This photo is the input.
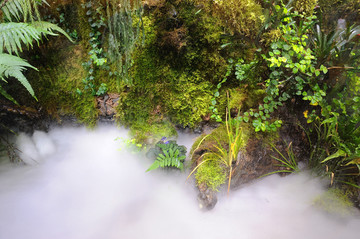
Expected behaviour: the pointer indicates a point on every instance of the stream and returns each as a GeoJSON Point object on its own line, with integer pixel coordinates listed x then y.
{"type": "Point", "coordinates": [81, 184]}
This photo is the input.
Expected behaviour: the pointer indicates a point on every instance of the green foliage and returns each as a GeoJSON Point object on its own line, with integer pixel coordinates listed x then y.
{"type": "Point", "coordinates": [18, 10]}
{"type": "Point", "coordinates": [288, 163]}
{"type": "Point", "coordinates": [168, 154]}
{"type": "Point", "coordinates": [122, 34]}
{"type": "Point", "coordinates": [225, 155]}
{"type": "Point", "coordinates": [215, 112]}
{"type": "Point", "coordinates": [164, 80]}
{"type": "Point", "coordinates": [292, 66]}
{"type": "Point", "coordinates": [338, 133]}
{"type": "Point", "coordinates": [12, 66]}
{"type": "Point", "coordinates": [13, 35]}
{"type": "Point", "coordinates": [212, 174]}
{"type": "Point", "coordinates": [55, 83]}
{"type": "Point", "coordinates": [97, 59]}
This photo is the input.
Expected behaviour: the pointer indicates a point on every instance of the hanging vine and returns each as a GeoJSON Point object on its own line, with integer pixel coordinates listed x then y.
{"type": "Point", "coordinates": [124, 23]}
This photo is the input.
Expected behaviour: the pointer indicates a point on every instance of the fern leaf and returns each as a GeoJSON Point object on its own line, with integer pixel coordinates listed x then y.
{"type": "Point", "coordinates": [13, 10]}
{"type": "Point", "coordinates": [50, 29]}
{"type": "Point", "coordinates": [7, 96]}
{"type": "Point", "coordinates": [153, 166]}
{"type": "Point", "coordinates": [22, 10]}
{"type": "Point", "coordinates": [12, 34]}
{"type": "Point", "coordinates": [162, 163]}
{"type": "Point", "coordinates": [12, 66]}
{"type": "Point", "coordinates": [181, 158]}
{"type": "Point", "coordinates": [166, 153]}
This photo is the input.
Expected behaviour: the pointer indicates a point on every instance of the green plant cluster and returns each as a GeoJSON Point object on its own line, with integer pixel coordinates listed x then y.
{"type": "Point", "coordinates": [306, 63]}
{"type": "Point", "coordinates": [167, 154]}
{"type": "Point", "coordinates": [20, 26]}
{"type": "Point", "coordinates": [124, 22]}
{"type": "Point", "coordinates": [97, 59]}
{"type": "Point", "coordinates": [292, 66]}
{"type": "Point", "coordinates": [224, 154]}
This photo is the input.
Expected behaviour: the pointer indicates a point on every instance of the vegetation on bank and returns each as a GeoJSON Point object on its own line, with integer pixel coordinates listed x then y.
{"type": "Point", "coordinates": [173, 62]}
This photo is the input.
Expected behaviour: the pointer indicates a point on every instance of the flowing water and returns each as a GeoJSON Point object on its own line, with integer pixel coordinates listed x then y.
{"type": "Point", "coordinates": [81, 184]}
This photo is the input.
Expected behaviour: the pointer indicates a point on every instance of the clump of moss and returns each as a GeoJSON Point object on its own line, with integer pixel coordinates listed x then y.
{"type": "Point", "coordinates": [149, 134]}
{"type": "Point", "coordinates": [56, 84]}
{"type": "Point", "coordinates": [334, 201]}
{"type": "Point", "coordinates": [211, 174]}
{"type": "Point", "coordinates": [188, 100]}
{"type": "Point", "coordinates": [271, 36]}
{"type": "Point", "coordinates": [242, 17]}
{"type": "Point", "coordinates": [305, 6]}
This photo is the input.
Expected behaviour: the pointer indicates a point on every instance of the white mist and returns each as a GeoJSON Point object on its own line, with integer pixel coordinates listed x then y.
{"type": "Point", "coordinates": [79, 185]}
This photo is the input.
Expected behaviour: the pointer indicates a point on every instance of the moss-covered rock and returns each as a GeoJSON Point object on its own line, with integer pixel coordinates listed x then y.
{"type": "Point", "coordinates": [334, 201]}
{"type": "Point", "coordinates": [211, 173]}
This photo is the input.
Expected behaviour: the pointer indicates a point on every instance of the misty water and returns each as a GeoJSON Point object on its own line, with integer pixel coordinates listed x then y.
{"type": "Point", "coordinates": [81, 184]}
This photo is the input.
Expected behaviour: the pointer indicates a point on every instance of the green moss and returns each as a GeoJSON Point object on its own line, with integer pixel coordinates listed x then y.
{"type": "Point", "coordinates": [187, 99]}
{"type": "Point", "coordinates": [305, 6]}
{"type": "Point", "coordinates": [149, 134]}
{"type": "Point", "coordinates": [212, 174]}
{"type": "Point", "coordinates": [334, 201]}
{"type": "Point", "coordinates": [242, 17]}
{"type": "Point", "coordinates": [179, 89]}
{"type": "Point", "coordinates": [56, 84]}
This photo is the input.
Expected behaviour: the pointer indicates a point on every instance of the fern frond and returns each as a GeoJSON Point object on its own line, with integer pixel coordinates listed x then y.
{"type": "Point", "coordinates": [7, 96]}
{"type": "Point", "coordinates": [14, 34]}
{"type": "Point", "coordinates": [12, 66]}
{"type": "Point", "coordinates": [50, 29]}
{"type": "Point", "coordinates": [13, 10]}
{"type": "Point", "coordinates": [22, 10]}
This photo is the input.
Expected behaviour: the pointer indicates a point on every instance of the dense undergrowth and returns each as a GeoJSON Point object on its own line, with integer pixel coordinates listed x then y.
{"type": "Point", "coordinates": [172, 64]}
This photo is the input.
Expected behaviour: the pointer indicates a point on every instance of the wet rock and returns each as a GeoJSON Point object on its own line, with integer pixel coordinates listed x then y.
{"type": "Point", "coordinates": [107, 104]}
{"type": "Point", "coordinates": [17, 119]}
{"type": "Point", "coordinates": [252, 163]}
{"type": "Point", "coordinates": [207, 198]}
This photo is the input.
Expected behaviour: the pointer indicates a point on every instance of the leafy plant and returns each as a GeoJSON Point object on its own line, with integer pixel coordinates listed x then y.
{"type": "Point", "coordinates": [97, 58]}
{"type": "Point", "coordinates": [121, 15]}
{"type": "Point", "coordinates": [293, 69]}
{"type": "Point", "coordinates": [13, 35]}
{"type": "Point", "coordinates": [168, 154]}
{"type": "Point", "coordinates": [289, 162]}
{"type": "Point", "coordinates": [215, 113]}
{"type": "Point", "coordinates": [226, 155]}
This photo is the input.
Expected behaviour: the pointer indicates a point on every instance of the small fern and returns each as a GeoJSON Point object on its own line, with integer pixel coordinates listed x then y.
{"type": "Point", "coordinates": [171, 156]}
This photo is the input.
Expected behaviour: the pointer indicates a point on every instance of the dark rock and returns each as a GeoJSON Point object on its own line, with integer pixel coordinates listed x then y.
{"type": "Point", "coordinates": [207, 198]}
{"type": "Point", "coordinates": [252, 163]}
{"type": "Point", "coordinates": [16, 119]}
